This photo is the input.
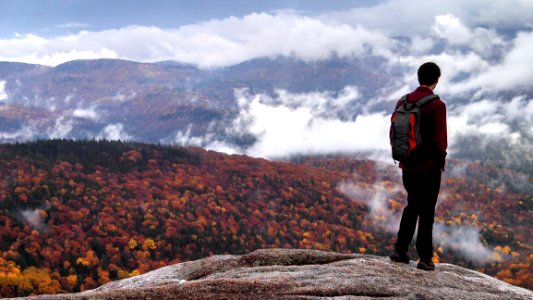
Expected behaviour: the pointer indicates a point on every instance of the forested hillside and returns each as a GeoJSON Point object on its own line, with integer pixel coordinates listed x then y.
{"type": "Point", "coordinates": [74, 215]}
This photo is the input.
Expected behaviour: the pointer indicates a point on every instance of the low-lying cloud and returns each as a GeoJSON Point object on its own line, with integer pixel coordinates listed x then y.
{"type": "Point", "coordinates": [3, 94]}
{"type": "Point", "coordinates": [292, 123]}
{"type": "Point", "coordinates": [385, 214]}
{"type": "Point", "coordinates": [34, 217]}
{"type": "Point", "coordinates": [463, 239]}
{"type": "Point", "coordinates": [86, 113]}
{"type": "Point", "coordinates": [287, 123]}
{"type": "Point", "coordinates": [114, 132]}
{"type": "Point", "coordinates": [61, 129]}
{"type": "Point", "coordinates": [377, 196]}
{"type": "Point", "coordinates": [492, 117]}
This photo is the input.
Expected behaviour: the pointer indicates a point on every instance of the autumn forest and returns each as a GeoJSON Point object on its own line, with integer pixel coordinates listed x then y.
{"type": "Point", "coordinates": [77, 214]}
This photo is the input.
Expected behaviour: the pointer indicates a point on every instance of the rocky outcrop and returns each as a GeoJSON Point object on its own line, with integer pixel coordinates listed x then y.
{"type": "Point", "coordinates": [303, 274]}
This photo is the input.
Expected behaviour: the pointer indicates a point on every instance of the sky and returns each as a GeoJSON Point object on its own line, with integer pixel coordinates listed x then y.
{"type": "Point", "coordinates": [51, 32]}
{"type": "Point", "coordinates": [58, 17]}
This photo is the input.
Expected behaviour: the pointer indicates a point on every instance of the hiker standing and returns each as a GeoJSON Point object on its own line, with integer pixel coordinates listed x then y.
{"type": "Point", "coordinates": [421, 150]}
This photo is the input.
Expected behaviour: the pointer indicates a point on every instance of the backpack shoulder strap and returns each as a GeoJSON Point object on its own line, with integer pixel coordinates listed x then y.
{"type": "Point", "coordinates": [426, 99]}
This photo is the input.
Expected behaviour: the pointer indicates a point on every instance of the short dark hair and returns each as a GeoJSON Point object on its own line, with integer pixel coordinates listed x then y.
{"type": "Point", "coordinates": [428, 73]}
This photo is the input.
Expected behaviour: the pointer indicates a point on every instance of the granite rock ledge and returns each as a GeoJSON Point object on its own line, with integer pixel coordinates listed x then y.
{"type": "Point", "coordinates": [302, 274]}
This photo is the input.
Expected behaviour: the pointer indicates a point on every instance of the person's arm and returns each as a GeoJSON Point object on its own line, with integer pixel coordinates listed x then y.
{"type": "Point", "coordinates": [441, 134]}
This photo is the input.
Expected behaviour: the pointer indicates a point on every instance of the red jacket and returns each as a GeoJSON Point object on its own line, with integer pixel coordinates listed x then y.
{"type": "Point", "coordinates": [433, 125]}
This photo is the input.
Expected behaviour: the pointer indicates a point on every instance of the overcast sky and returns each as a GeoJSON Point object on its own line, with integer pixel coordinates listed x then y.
{"type": "Point", "coordinates": [218, 33]}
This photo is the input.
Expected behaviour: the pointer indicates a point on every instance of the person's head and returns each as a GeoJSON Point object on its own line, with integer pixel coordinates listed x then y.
{"type": "Point", "coordinates": [428, 74]}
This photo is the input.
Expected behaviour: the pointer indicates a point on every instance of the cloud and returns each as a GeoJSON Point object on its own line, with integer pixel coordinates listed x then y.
{"type": "Point", "coordinates": [3, 94]}
{"type": "Point", "coordinates": [511, 72]}
{"type": "Point", "coordinates": [377, 196]}
{"type": "Point", "coordinates": [310, 123]}
{"type": "Point", "coordinates": [25, 133]}
{"type": "Point", "coordinates": [458, 35]}
{"type": "Point", "coordinates": [61, 129]}
{"type": "Point", "coordinates": [403, 17]}
{"type": "Point", "coordinates": [479, 39]}
{"type": "Point", "coordinates": [114, 132]}
{"type": "Point", "coordinates": [123, 97]}
{"type": "Point", "coordinates": [34, 217]}
{"type": "Point", "coordinates": [462, 239]}
{"type": "Point", "coordinates": [212, 43]}
{"type": "Point", "coordinates": [86, 113]}
{"type": "Point", "coordinates": [385, 213]}
{"type": "Point", "coordinates": [185, 138]}
{"type": "Point", "coordinates": [292, 123]}
{"type": "Point", "coordinates": [492, 118]}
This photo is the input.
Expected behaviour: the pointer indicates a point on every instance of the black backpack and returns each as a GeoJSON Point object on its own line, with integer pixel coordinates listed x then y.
{"type": "Point", "coordinates": [405, 134]}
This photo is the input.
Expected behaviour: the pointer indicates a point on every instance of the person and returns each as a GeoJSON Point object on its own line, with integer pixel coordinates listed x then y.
{"type": "Point", "coordinates": [421, 175]}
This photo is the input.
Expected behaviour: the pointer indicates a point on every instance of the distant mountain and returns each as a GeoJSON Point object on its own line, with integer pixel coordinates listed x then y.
{"type": "Point", "coordinates": [76, 214]}
{"type": "Point", "coordinates": [174, 103]}
{"type": "Point", "coordinates": [152, 102]}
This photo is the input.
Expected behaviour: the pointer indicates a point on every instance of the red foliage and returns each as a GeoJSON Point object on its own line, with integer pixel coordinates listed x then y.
{"type": "Point", "coordinates": [84, 225]}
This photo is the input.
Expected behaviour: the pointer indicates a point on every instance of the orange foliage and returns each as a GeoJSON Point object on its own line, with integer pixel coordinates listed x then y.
{"type": "Point", "coordinates": [100, 222]}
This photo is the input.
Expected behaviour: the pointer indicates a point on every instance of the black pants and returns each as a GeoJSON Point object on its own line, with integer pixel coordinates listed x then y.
{"type": "Point", "coordinates": [422, 193]}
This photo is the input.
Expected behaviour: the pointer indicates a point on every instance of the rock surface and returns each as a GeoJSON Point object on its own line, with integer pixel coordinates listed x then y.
{"type": "Point", "coordinates": [303, 274]}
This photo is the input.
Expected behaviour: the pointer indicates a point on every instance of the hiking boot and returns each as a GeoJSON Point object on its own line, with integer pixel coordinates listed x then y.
{"type": "Point", "coordinates": [399, 257]}
{"type": "Point", "coordinates": [426, 265]}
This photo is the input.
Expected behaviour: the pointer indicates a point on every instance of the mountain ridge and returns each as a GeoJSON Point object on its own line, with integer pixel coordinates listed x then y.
{"type": "Point", "coordinates": [77, 214]}
{"type": "Point", "coordinates": [174, 103]}
{"type": "Point", "coordinates": [85, 96]}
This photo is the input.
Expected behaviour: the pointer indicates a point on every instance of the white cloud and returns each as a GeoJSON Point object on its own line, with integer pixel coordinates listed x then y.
{"type": "Point", "coordinates": [3, 94]}
{"type": "Point", "coordinates": [404, 17]}
{"type": "Point", "coordinates": [209, 44]}
{"type": "Point", "coordinates": [490, 118]}
{"type": "Point", "coordinates": [86, 113]}
{"type": "Point", "coordinates": [452, 29]}
{"type": "Point", "coordinates": [120, 97]}
{"type": "Point", "coordinates": [25, 133]}
{"type": "Point", "coordinates": [33, 218]}
{"type": "Point", "coordinates": [300, 123]}
{"type": "Point", "coordinates": [184, 138]}
{"type": "Point", "coordinates": [59, 57]}
{"type": "Point", "coordinates": [420, 45]}
{"type": "Point", "coordinates": [378, 195]}
{"type": "Point", "coordinates": [512, 72]}
{"type": "Point", "coordinates": [114, 132]}
{"type": "Point", "coordinates": [61, 129]}
{"type": "Point", "coordinates": [473, 51]}
{"type": "Point", "coordinates": [519, 108]}
{"type": "Point", "coordinates": [323, 103]}
{"type": "Point", "coordinates": [463, 239]}
{"type": "Point", "coordinates": [308, 123]}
